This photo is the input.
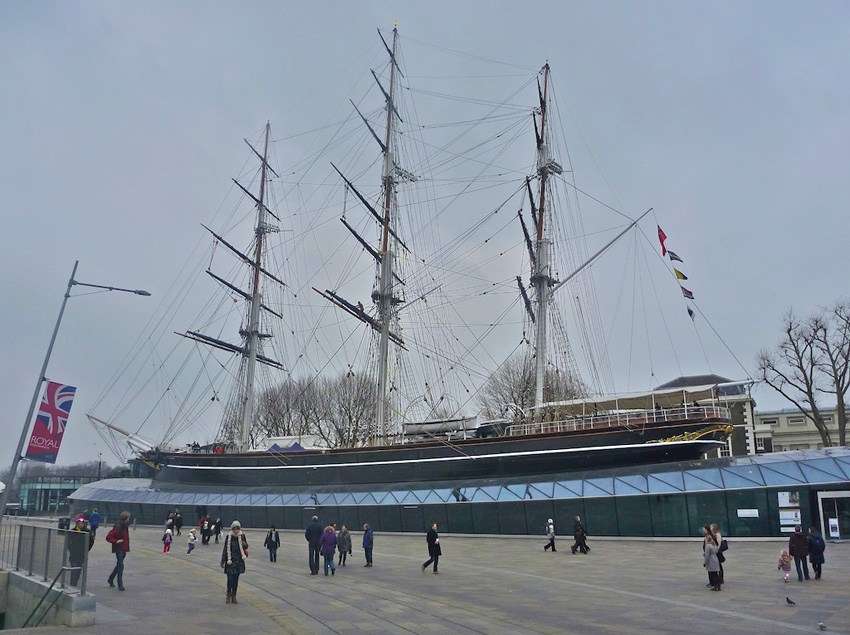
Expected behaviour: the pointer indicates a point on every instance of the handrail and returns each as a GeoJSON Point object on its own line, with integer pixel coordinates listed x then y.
{"type": "Point", "coordinates": [620, 419]}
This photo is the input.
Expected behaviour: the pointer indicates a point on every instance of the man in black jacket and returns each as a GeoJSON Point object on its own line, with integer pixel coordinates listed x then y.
{"type": "Point", "coordinates": [313, 535]}
{"type": "Point", "coordinates": [434, 550]}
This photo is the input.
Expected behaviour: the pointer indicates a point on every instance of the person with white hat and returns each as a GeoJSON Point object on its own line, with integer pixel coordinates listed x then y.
{"type": "Point", "coordinates": [233, 558]}
{"type": "Point", "coordinates": [550, 534]}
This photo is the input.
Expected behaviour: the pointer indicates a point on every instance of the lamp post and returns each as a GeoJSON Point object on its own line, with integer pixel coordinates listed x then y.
{"type": "Point", "coordinates": [41, 376]}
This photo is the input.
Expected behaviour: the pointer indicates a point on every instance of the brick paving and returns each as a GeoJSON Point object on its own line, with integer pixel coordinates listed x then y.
{"type": "Point", "coordinates": [486, 585]}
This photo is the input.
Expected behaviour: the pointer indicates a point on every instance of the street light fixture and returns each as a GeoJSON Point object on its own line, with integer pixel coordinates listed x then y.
{"type": "Point", "coordinates": [41, 376]}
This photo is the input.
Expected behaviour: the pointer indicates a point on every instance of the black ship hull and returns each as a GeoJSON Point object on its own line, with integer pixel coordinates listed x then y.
{"type": "Point", "coordinates": [502, 457]}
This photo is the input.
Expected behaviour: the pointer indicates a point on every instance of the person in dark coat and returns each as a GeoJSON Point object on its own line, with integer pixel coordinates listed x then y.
{"type": "Point", "coordinates": [313, 536]}
{"type": "Point", "coordinates": [343, 544]}
{"type": "Point", "coordinates": [434, 549]}
{"type": "Point", "coordinates": [206, 531]}
{"type": "Point", "coordinates": [216, 529]}
{"type": "Point", "coordinates": [580, 536]}
{"type": "Point", "coordinates": [119, 538]}
{"type": "Point", "coordinates": [178, 522]}
{"type": "Point", "coordinates": [233, 557]}
{"type": "Point", "coordinates": [78, 539]}
{"type": "Point", "coordinates": [368, 543]}
{"type": "Point", "coordinates": [272, 543]}
{"type": "Point", "coordinates": [327, 544]}
{"type": "Point", "coordinates": [816, 548]}
{"type": "Point", "coordinates": [798, 547]}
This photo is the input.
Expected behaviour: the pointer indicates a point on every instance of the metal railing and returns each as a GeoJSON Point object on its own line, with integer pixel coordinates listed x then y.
{"type": "Point", "coordinates": [622, 419]}
{"type": "Point", "coordinates": [45, 552]}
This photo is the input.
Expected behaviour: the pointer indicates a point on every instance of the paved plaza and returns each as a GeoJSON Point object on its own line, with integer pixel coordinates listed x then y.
{"type": "Point", "coordinates": [486, 585]}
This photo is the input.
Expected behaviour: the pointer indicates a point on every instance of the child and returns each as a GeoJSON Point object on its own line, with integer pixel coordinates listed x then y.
{"type": "Point", "coordinates": [167, 537]}
{"type": "Point", "coordinates": [193, 538]}
{"type": "Point", "coordinates": [785, 564]}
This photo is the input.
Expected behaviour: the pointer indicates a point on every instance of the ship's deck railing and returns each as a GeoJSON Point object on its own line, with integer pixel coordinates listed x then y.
{"type": "Point", "coordinates": [621, 419]}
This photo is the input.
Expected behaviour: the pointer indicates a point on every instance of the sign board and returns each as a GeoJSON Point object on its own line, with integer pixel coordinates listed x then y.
{"type": "Point", "coordinates": [789, 517]}
{"type": "Point", "coordinates": [49, 427]}
{"type": "Point", "coordinates": [748, 513]}
{"type": "Point", "coordinates": [833, 528]}
{"type": "Point", "coordinates": [788, 499]}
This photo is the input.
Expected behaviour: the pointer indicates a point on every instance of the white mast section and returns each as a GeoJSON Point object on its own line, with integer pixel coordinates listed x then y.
{"type": "Point", "coordinates": [252, 334]}
{"type": "Point", "coordinates": [541, 275]}
{"type": "Point", "coordinates": [384, 297]}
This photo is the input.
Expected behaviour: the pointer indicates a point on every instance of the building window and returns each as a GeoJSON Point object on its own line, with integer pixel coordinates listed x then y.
{"type": "Point", "coordinates": [759, 444]}
{"type": "Point", "coordinates": [725, 451]}
{"type": "Point", "coordinates": [796, 421]}
{"type": "Point", "coordinates": [778, 448]}
{"type": "Point", "coordinates": [827, 419]}
{"type": "Point", "coordinates": [769, 422]}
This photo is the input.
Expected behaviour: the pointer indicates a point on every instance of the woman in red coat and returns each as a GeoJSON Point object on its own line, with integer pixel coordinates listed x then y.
{"type": "Point", "coordinates": [119, 538]}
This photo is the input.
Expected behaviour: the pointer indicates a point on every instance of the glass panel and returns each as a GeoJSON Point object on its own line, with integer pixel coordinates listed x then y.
{"type": "Point", "coordinates": [487, 493]}
{"type": "Point", "coordinates": [345, 499]}
{"type": "Point", "coordinates": [507, 494]}
{"type": "Point", "coordinates": [844, 464]}
{"type": "Point", "coordinates": [258, 500]}
{"type": "Point", "coordinates": [327, 499]}
{"type": "Point", "coordinates": [364, 498]}
{"type": "Point", "coordinates": [274, 500]}
{"type": "Point", "coordinates": [519, 491]}
{"type": "Point", "coordinates": [290, 499]}
{"type": "Point", "coordinates": [782, 473]}
{"type": "Point", "coordinates": [743, 476]}
{"type": "Point", "coordinates": [541, 490]}
{"type": "Point", "coordinates": [665, 482]}
{"type": "Point", "coordinates": [400, 495]}
{"type": "Point", "coordinates": [568, 489]}
{"type": "Point", "coordinates": [436, 496]}
{"type": "Point", "coordinates": [409, 498]}
{"type": "Point", "coordinates": [547, 489]}
{"type": "Point", "coordinates": [243, 499]}
{"type": "Point", "coordinates": [599, 486]}
{"type": "Point", "coordinates": [630, 484]}
{"type": "Point", "coordinates": [385, 498]}
{"type": "Point", "coordinates": [703, 479]}
{"type": "Point", "coordinates": [821, 471]}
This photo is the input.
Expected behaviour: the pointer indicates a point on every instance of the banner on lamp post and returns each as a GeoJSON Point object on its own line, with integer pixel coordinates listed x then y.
{"type": "Point", "coordinates": [50, 422]}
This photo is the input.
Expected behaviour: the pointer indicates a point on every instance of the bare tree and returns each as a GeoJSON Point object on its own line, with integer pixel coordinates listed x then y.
{"type": "Point", "coordinates": [792, 369]}
{"type": "Point", "coordinates": [510, 389]}
{"type": "Point", "coordinates": [832, 339]}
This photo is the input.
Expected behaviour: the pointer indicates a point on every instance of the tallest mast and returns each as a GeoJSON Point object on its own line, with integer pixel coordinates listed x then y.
{"type": "Point", "coordinates": [541, 276]}
{"type": "Point", "coordinates": [384, 296]}
{"type": "Point", "coordinates": [252, 335]}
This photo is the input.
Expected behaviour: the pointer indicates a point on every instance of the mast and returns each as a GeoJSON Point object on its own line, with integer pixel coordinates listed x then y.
{"type": "Point", "coordinates": [541, 276]}
{"type": "Point", "coordinates": [252, 335]}
{"type": "Point", "coordinates": [384, 295]}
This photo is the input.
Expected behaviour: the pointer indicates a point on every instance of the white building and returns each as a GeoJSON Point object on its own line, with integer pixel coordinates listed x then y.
{"type": "Point", "coordinates": [789, 429]}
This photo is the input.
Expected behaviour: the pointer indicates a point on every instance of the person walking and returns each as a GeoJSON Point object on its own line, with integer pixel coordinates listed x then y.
{"type": "Point", "coordinates": [784, 564]}
{"type": "Point", "coordinates": [94, 522]}
{"type": "Point", "coordinates": [434, 549]}
{"type": "Point", "coordinates": [798, 547]}
{"type": "Point", "coordinates": [178, 521]}
{"type": "Point", "coordinates": [816, 548]}
{"type": "Point", "coordinates": [233, 557]}
{"type": "Point", "coordinates": [722, 546]}
{"type": "Point", "coordinates": [343, 544]}
{"type": "Point", "coordinates": [119, 538]}
{"type": "Point", "coordinates": [710, 562]}
{"type": "Point", "coordinates": [206, 531]}
{"type": "Point", "coordinates": [77, 542]}
{"type": "Point", "coordinates": [313, 536]}
{"type": "Point", "coordinates": [580, 537]}
{"type": "Point", "coordinates": [167, 539]}
{"type": "Point", "coordinates": [216, 529]}
{"type": "Point", "coordinates": [368, 543]}
{"type": "Point", "coordinates": [191, 541]}
{"type": "Point", "coordinates": [550, 535]}
{"type": "Point", "coordinates": [272, 543]}
{"type": "Point", "coordinates": [327, 544]}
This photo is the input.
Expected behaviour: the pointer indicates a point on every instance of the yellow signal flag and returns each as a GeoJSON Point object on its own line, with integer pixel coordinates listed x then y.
{"type": "Point", "coordinates": [679, 274]}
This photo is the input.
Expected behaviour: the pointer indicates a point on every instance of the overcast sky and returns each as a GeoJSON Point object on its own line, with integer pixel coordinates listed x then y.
{"type": "Point", "coordinates": [122, 123]}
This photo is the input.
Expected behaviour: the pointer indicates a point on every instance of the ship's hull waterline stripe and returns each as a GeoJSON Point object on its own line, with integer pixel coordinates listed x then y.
{"type": "Point", "coordinates": [436, 459]}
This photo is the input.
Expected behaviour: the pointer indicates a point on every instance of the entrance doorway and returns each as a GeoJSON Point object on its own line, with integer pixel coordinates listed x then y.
{"type": "Point", "coordinates": [834, 510]}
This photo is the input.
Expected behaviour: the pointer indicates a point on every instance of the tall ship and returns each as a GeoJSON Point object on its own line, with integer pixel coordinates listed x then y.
{"type": "Point", "coordinates": [456, 411]}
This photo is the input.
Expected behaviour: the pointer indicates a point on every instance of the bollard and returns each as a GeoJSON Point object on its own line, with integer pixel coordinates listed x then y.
{"type": "Point", "coordinates": [20, 547]}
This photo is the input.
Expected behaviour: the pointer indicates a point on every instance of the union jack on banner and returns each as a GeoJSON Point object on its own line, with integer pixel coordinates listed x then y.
{"type": "Point", "coordinates": [50, 422]}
